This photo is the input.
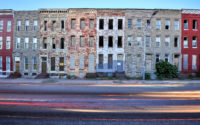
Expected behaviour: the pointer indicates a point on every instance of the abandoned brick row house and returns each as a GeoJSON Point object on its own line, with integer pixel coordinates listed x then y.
{"type": "Point", "coordinates": [78, 41]}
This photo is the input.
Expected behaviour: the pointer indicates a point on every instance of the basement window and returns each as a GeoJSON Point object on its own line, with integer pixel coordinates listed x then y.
{"type": "Point", "coordinates": [44, 46]}
{"type": "Point", "coordinates": [62, 44]}
{"type": "Point", "coordinates": [45, 25]}
{"type": "Point", "coordinates": [53, 25]}
{"type": "Point", "coordinates": [101, 24]}
{"type": "Point", "coordinates": [110, 24]}
{"type": "Point", "coordinates": [62, 25]}
{"type": "Point", "coordinates": [100, 41]}
{"type": "Point", "coordinates": [120, 24]}
{"type": "Point", "coordinates": [194, 24]}
{"type": "Point", "coordinates": [110, 41]}
{"type": "Point", "coordinates": [119, 42]}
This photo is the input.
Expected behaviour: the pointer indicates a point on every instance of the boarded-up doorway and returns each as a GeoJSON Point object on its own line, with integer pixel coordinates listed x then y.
{"type": "Point", "coordinates": [44, 65]}
{"type": "Point", "coordinates": [17, 66]}
{"type": "Point", "coordinates": [120, 63]}
{"type": "Point", "coordinates": [176, 61]}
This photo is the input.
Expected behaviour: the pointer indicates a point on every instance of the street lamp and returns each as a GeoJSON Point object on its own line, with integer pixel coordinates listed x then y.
{"type": "Point", "coordinates": [144, 61]}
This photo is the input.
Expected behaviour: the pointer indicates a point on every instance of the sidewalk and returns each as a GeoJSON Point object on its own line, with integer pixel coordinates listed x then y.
{"type": "Point", "coordinates": [84, 81]}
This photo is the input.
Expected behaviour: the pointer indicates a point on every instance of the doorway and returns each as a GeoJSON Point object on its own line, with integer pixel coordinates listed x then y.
{"type": "Point", "coordinates": [17, 66]}
{"type": "Point", "coordinates": [44, 65]}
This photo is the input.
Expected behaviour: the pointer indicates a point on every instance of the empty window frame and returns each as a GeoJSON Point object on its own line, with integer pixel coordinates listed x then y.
{"type": "Point", "coordinates": [26, 43]}
{"type": "Point", "coordinates": [101, 41]}
{"type": "Point", "coordinates": [8, 42]}
{"type": "Point", "coordinates": [26, 63]}
{"type": "Point", "coordinates": [194, 42]}
{"type": "Point", "coordinates": [53, 43]}
{"type": "Point", "coordinates": [120, 24]}
{"type": "Point", "coordinates": [167, 41]}
{"type": "Point", "coordinates": [62, 43]}
{"type": "Point", "coordinates": [101, 24]}
{"type": "Point", "coordinates": [194, 24]}
{"type": "Point", "coordinates": [148, 41]}
{"type": "Point", "coordinates": [45, 25]}
{"type": "Point", "coordinates": [61, 64]}
{"type": "Point", "coordinates": [26, 25]}
{"type": "Point", "coordinates": [34, 46]}
{"type": "Point", "coordinates": [110, 41]}
{"type": "Point", "coordinates": [176, 41]}
{"type": "Point", "coordinates": [185, 24]}
{"type": "Point", "coordinates": [73, 42]}
{"type": "Point", "coordinates": [139, 41]}
{"type": "Point", "coordinates": [110, 24]}
{"type": "Point", "coordinates": [130, 23]}
{"type": "Point", "coordinates": [82, 41]}
{"type": "Point", "coordinates": [185, 62]}
{"type": "Point", "coordinates": [194, 62]}
{"type": "Point", "coordinates": [9, 26]}
{"type": "Point", "coordinates": [91, 25]}
{"type": "Point", "coordinates": [176, 25]}
{"type": "Point", "coordinates": [82, 24]}
{"type": "Point", "coordinates": [1, 42]}
{"type": "Point", "coordinates": [52, 63]}
{"type": "Point", "coordinates": [139, 24]}
{"type": "Point", "coordinates": [91, 41]}
{"type": "Point", "coordinates": [157, 58]}
{"type": "Point", "coordinates": [129, 40]}
{"type": "Point", "coordinates": [53, 25]}
{"type": "Point", "coordinates": [185, 42]}
{"type": "Point", "coordinates": [157, 41]}
{"type": "Point", "coordinates": [119, 42]}
{"type": "Point", "coordinates": [158, 24]}
{"type": "Point", "coordinates": [44, 43]}
{"type": "Point", "coordinates": [8, 63]}
{"type": "Point", "coordinates": [18, 25]}
{"type": "Point", "coordinates": [100, 66]}
{"type": "Point", "coordinates": [167, 24]}
{"type": "Point", "coordinates": [35, 23]}
{"type": "Point", "coordinates": [73, 23]}
{"type": "Point", "coordinates": [148, 24]}
{"type": "Point", "coordinates": [166, 57]}
{"type": "Point", "coordinates": [34, 63]}
{"type": "Point", "coordinates": [1, 25]}
{"type": "Point", "coordinates": [110, 61]}
{"type": "Point", "coordinates": [62, 25]}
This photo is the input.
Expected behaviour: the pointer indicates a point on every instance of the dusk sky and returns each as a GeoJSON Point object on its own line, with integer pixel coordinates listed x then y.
{"type": "Point", "coordinates": [147, 4]}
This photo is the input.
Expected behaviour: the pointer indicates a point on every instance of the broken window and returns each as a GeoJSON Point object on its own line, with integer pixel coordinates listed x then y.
{"type": "Point", "coordinates": [110, 41]}
{"type": "Point", "coordinates": [91, 41]}
{"type": "Point", "coordinates": [34, 63]}
{"type": "Point", "coordinates": [158, 24]}
{"type": "Point", "coordinates": [185, 24]}
{"type": "Point", "coordinates": [1, 25]}
{"type": "Point", "coordinates": [73, 23]}
{"type": "Point", "coordinates": [26, 42]}
{"type": "Point", "coordinates": [175, 41]}
{"type": "Point", "coordinates": [52, 63]}
{"type": "Point", "coordinates": [44, 44]}
{"type": "Point", "coordinates": [53, 43]}
{"type": "Point", "coordinates": [62, 43]}
{"type": "Point", "coordinates": [148, 24]}
{"type": "Point", "coordinates": [139, 41]}
{"type": "Point", "coordinates": [26, 63]}
{"type": "Point", "coordinates": [91, 25]}
{"type": "Point", "coordinates": [81, 62]}
{"type": "Point", "coordinates": [176, 25]}
{"type": "Point", "coordinates": [194, 62]}
{"type": "Point", "coordinates": [101, 24]}
{"type": "Point", "coordinates": [53, 25]}
{"type": "Point", "coordinates": [167, 41]}
{"type": "Point", "coordinates": [26, 25]}
{"type": "Point", "coordinates": [1, 42]}
{"type": "Point", "coordinates": [18, 25]}
{"type": "Point", "coordinates": [157, 58]}
{"type": "Point", "coordinates": [148, 41]}
{"type": "Point", "coordinates": [129, 40]}
{"type": "Point", "coordinates": [185, 42]}
{"type": "Point", "coordinates": [139, 24]}
{"type": "Point", "coordinates": [166, 58]}
{"type": "Point", "coordinates": [35, 23]}
{"type": "Point", "coordinates": [120, 24]}
{"type": "Point", "coordinates": [158, 41]}
{"type": "Point", "coordinates": [62, 27]}
{"type": "Point", "coordinates": [101, 41]}
{"type": "Point", "coordinates": [34, 46]}
{"type": "Point", "coordinates": [119, 42]}
{"type": "Point", "coordinates": [110, 61]}
{"type": "Point", "coordinates": [194, 24]}
{"type": "Point", "coordinates": [110, 24]}
{"type": "Point", "coordinates": [194, 42]}
{"type": "Point", "coordinates": [130, 25]}
{"type": "Point", "coordinates": [100, 66]}
{"type": "Point", "coordinates": [82, 24]}
{"type": "Point", "coordinates": [45, 25]}
{"type": "Point", "coordinates": [185, 62]}
{"type": "Point", "coordinates": [72, 41]}
{"type": "Point", "coordinates": [82, 41]}
{"type": "Point", "coordinates": [167, 24]}
{"type": "Point", "coordinates": [61, 64]}
{"type": "Point", "coordinates": [9, 26]}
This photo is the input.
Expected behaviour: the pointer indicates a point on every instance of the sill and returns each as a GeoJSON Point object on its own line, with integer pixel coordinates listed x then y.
{"type": "Point", "coordinates": [194, 47]}
{"type": "Point", "coordinates": [195, 29]}
{"type": "Point", "coordinates": [186, 29]}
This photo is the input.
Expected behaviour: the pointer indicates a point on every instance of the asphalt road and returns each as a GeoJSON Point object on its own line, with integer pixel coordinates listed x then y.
{"type": "Point", "coordinates": [99, 104]}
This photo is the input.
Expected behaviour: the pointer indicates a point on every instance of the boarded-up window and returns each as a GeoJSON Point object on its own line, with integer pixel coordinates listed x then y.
{"type": "Point", "coordinates": [82, 41]}
{"type": "Point", "coordinates": [110, 24]}
{"type": "Point", "coordinates": [185, 62]}
{"type": "Point", "coordinates": [119, 42]}
{"type": "Point", "coordinates": [61, 64]}
{"type": "Point", "coordinates": [72, 61]}
{"type": "Point", "coordinates": [73, 41]}
{"type": "Point", "coordinates": [139, 41]}
{"type": "Point", "coordinates": [158, 24]}
{"type": "Point", "coordinates": [110, 61]}
{"type": "Point", "coordinates": [73, 23]}
{"type": "Point", "coordinates": [101, 24]}
{"type": "Point", "coordinates": [194, 62]}
{"type": "Point", "coordinates": [91, 41]}
{"type": "Point", "coordinates": [26, 63]}
{"type": "Point", "coordinates": [110, 41]}
{"type": "Point", "coordinates": [175, 41]}
{"type": "Point", "coordinates": [176, 25]}
{"type": "Point", "coordinates": [129, 40]}
{"type": "Point", "coordinates": [34, 63]}
{"type": "Point", "coordinates": [120, 24]}
{"type": "Point", "coordinates": [82, 24]}
{"type": "Point", "coordinates": [44, 44]}
{"type": "Point", "coordinates": [101, 41]}
{"type": "Point", "coordinates": [52, 63]}
{"type": "Point", "coordinates": [91, 25]}
{"type": "Point", "coordinates": [53, 43]}
{"type": "Point", "coordinates": [81, 62]}
{"type": "Point", "coordinates": [91, 63]}
{"type": "Point", "coordinates": [62, 43]}
{"type": "Point", "coordinates": [100, 66]}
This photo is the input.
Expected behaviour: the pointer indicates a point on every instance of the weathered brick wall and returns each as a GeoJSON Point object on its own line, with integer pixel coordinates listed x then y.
{"type": "Point", "coordinates": [21, 52]}
{"type": "Point", "coordinates": [81, 54]}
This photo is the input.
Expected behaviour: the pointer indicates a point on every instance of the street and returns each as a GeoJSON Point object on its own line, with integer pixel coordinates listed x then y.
{"type": "Point", "coordinates": [99, 104]}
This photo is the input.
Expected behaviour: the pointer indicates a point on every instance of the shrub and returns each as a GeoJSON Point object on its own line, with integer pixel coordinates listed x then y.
{"type": "Point", "coordinates": [166, 70]}
{"type": "Point", "coordinates": [147, 76]}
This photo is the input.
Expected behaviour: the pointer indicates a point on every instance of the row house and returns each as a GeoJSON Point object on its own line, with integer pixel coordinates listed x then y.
{"type": "Point", "coordinates": [110, 40]}
{"type": "Point", "coordinates": [53, 49]}
{"type": "Point", "coordinates": [26, 43]}
{"type": "Point", "coordinates": [81, 42]}
{"type": "Point", "coordinates": [190, 41]}
{"type": "Point", "coordinates": [163, 39]}
{"type": "Point", "coordinates": [6, 42]}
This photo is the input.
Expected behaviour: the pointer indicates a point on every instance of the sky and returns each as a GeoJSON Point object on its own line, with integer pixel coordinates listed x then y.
{"type": "Point", "coordinates": [147, 4]}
